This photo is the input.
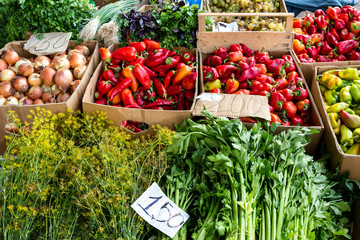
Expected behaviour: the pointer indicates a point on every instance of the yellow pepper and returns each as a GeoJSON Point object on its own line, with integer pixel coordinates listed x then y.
{"type": "Point", "coordinates": [330, 81]}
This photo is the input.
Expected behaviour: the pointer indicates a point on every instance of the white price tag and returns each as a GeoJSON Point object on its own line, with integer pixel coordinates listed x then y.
{"type": "Point", "coordinates": [159, 211]}
{"type": "Point", "coordinates": [48, 43]}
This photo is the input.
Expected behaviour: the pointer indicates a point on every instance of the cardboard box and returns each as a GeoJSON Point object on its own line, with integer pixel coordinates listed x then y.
{"type": "Point", "coordinates": [74, 101]}
{"type": "Point", "coordinates": [119, 114]}
{"type": "Point", "coordinates": [347, 162]}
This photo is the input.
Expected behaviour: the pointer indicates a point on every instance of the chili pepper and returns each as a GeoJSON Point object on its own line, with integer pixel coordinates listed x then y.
{"type": "Point", "coordinates": [274, 118]}
{"type": "Point", "coordinates": [298, 47]}
{"type": "Point", "coordinates": [117, 98]}
{"type": "Point", "coordinates": [330, 81]}
{"type": "Point", "coordinates": [105, 54]}
{"type": "Point", "coordinates": [346, 136]}
{"type": "Point", "coordinates": [174, 90]}
{"type": "Point", "coordinates": [289, 109]}
{"type": "Point", "coordinates": [277, 100]}
{"type": "Point", "coordinates": [102, 101]}
{"type": "Point", "coordinates": [139, 98]}
{"type": "Point", "coordinates": [214, 61]}
{"type": "Point", "coordinates": [287, 93]}
{"type": "Point", "coordinates": [296, 120]}
{"type": "Point", "coordinates": [124, 54]}
{"type": "Point", "coordinates": [221, 52]}
{"type": "Point", "coordinates": [355, 92]}
{"type": "Point", "coordinates": [323, 89]}
{"type": "Point", "coordinates": [189, 81]}
{"type": "Point", "coordinates": [326, 48]}
{"type": "Point", "coordinates": [262, 68]}
{"type": "Point", "coordinates": [169, 63]}
{"type": "Point", "coordinates": [158, 102]}
{"type": "Point", "coordinates": [305, 116]}
{"type": "Point", "coordinates": [262, 56]}
{"type": "Point", "coordinates": [150, 95]}
{"type": "Point", "coordinates": [167, 78]}
{"type": "Point", "coordinates": [334, 32]}
{"type": "Point", "coordinates": [281, 83]}
{"type": "Point", "coordinates": [244, 85]}
{"type": "Point", "coordinates": [248, 119]}
{"type": "Point", "coordinates": [337, 107]}
{"type": "Point", "coordinates": [356, 135]}
{"type": "Point", "coordinates": [350, 120]}
{"type": "Point", "coordinates": [216, 90]}
{"type": "Point", "coordinates": [331, 39]}
{"type": "Point", "coordinates": [225, 70]}
{"type": "Point", "coordinates": [349, 74]}
{"type": "Point", "coordinates": [251, 61]}
{"type": "Point", "coordinates": [235, 56]}
{"type": "Point", "coordinates": [104, 87]}
{"type": "Point", "coordinates": [211, 85]}
{"type": "Point", "coordinates": [140, 60]}
{"type": "Point", "coordinates": [298, 23]}
{"type": "Point", "coordinates": [242, 91]}
{"type": "Point", "coordinates": [160, 89]}
{"type": "Point", "coordinates": [248, 74]}
{"type": "Point", "coordinates": [346, 46]}
{"type": "Point", "coordinates": [303, 105]}
{"type": "Point", "coordinates": [127, 73]}
{"type": "Point", "coordinates": [187, 58]}
{"type": "Point", "coordinates": [331, 96]}
{"type": "Point", "coordinates": [344, 148]}
{"type": "Point", "coordinates": [139, 46]}
{"type": "Point", "coordinates": [333, 12]}
{"type": "Point", "coordinates": [354, 26]}
{"type": "Point", "coordinates": [142, 76]}
{"type": "Point", "coordinates": [339, 24]}
{"type": "Point", "coordinates": [125, 83]}
{"type": "Point", "coordinates": [305, 58]}
{"type": "Point", "coordinates": [308, 20]}
{"type": "Point", "coordinates": [157, 58]}
{"type": "Point", "coordinates": [151, 45]}
{"type": "Point", "coordinates": [272, 64]}
{"type": "Point", "coordinates": [248, 52]}
{"type": "Point", "coordinates": [321, 22]}
{"type": "Point", "coordinates": [181, 73]}
{"type": "Point", "coordinates": [354, 55]}
{"type": "Point", "coordinates": [189, 95]}
{"type": "Point", "coordinates": [181, 103]}
{"type": "Point", "coordinates": [128, 98]}
{"type": "Point", "coordinates": [262, 78]}
{"type": "Point", "coordinates": [312, 52]}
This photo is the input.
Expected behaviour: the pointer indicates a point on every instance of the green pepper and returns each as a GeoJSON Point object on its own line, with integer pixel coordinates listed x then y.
{"type": "Point", "coordinates": [356, 135]}
{"type": "Point", "coordinates": [344, 148]}
{"type": "Point", "coordinates": [322, 89]}
{"type": "Point", "coordinates": [349, 111]}
{"type": "Point", "coordinates": [336, 108]}
{"type": "Point", "coordinates": [355, 92]}
{"type": "Point", "coordinates": [343, 84]}
{"type": "Point", "coordinates": [330, 81]}
{"type": "Point", "coordinates": [349, 74]}
{"type": "Point", "coordinates": [212, 85]}
{"type": "Point", "coordinates": [346, 136]}
{"type": "Point", "coordinates": [345, 95]}
{"type": "Point", "coordinates": [354, 149]}
{"type": "Point", "coordinates": [356, 82]}
{"type": "Point", "coordinates": [333, 119]}
{"type": "Point", "coordinates": [337, 130]}
{"type": "Point", "coordinates": [331, 96]}
{"type": "Point", "coordinates": [357, 110]}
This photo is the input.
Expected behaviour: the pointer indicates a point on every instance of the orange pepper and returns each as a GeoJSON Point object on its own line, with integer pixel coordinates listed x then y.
{"type": "Point", "coordinates": [298, 23]}
{"type": "Point", "coordinates": [298, 47]}
{"type": "Point", "coordinates": [116, 99]}
{"type": "Point", "coordinates": [127, 73]}
{"type": "Point", "coordinates": [315, 38]}
{"type": "Point", "coordinates": [298, 30]}
{"type": "Point", "coordinates": [181, 73]}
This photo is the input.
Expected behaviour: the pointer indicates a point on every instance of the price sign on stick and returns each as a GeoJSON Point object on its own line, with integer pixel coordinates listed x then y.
{"type": "Point", "coordinates": [48, 43]}
{"type": "Point", "coordinates": [159, 211]}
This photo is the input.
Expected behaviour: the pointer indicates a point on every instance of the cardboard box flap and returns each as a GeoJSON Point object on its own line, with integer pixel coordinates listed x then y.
{"type": "Point", "coordinates": [233, 105]}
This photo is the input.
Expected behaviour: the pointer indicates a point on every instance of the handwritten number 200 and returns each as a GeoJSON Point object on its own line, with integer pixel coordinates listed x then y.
{"type": "Point", "coordinates": [165, 206]}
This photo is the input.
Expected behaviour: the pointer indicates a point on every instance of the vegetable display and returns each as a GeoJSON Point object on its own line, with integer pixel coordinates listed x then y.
{"type": "Point", "coordinates": [340, 89]}
{"type": "Point", "coordinates": [240, 70]}
{"type": "Point", "coordinates": [145, 75]}
{"type": "Point", "coordinates": [330, 36]}
{"type": "Point", "coordinates": [43, 79]}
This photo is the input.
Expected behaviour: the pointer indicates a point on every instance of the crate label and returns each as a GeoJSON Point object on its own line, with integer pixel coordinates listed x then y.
{"type": "Point", "coordinates": [159, 211]}
{"type": "Point", "coordinates": [48, 43]}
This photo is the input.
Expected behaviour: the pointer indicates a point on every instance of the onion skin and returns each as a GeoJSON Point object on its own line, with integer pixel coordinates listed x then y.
{"type": "Point", "coordinates": [61, 54]}
{"type": "Point", "coordinates": [60, 62]}
{"type": "Point", "coordinates": [72, 52]}
{"type": "Point", "coordinates": [7, 75]}
{"type": "Point", "coordinates": [6, 89]}
{"type": "Point", "coordinates": [12, 101]}
{"type": "Point", "coordinates": [3, 101]}
{"type": "Point", "coordinates": [57, 90]}
{"type": "Point", "coordinates": [35, 92]}
{"type": "Point", "coordinates": [38, 102]}
{"type": "Point", "coordinates": [47, 76]}
{"type": "Point", "coordinates": [84, 50]}
{"type": "Point", "coordinates": [63, 78]}
{"type": "Point", "coordinates": [41, 62]}
{"type": "Point", "coordinates": [74, 85]}
{"type": "Point", "coordinates": [47, 97]}
{"type": "Point", "coordinates": [26, 101]}
{"type": "Point", "coordinates": [18, 63]}
{"type": "Point", "coordinates": [10, 56]}
{"type": "Point", "coordinates": [34, 79]}
{"type": "Point", "coordinates": [20, 84]}
{"type": "Point", "coordinates": [25, 69]}
{"type": "Point", "coordinates": [3, 65]}
{"type": "Point", "coordinates": [18, 95]}
{"type": "Point", "coordinates": [79, 71]}
{"type": "Point", "coordinates": [63, 97]}
{"type": "Point", "coordinates": [77, 59]}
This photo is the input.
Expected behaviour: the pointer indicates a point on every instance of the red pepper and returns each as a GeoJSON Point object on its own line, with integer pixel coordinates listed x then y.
{"type": "Point", "coordinates": [231, 86]}
{"type": "Point", "coordinates": [216, 90]}
{"type": "Point", "coordinates": [354, 55]}
{"type": "Point", "coordinates": [235, 48]}
{"type": "Point", "coordinates": [139, 46]}
{"type": "Point", "coordinates": [354, 12]}
{"type": "Point", "coordinates": [312, 52]}
{"type": "Point", "coordinates": [287, 93]}
{"type": "Point", "coordinates": [303, 105]}
{"type": "Point", "coordinates": [248, 52]}
{"type": "Point", "coordinates": [326, 48]}
{"type": "Point", "coordinates": [225, 70]}
{"type": "Point", "coordinates": [170, 62]}
{"type": "Point", "coordinates": [341, 58]}
{"type": "Point", "coordinates": [151, 45]}
{"type": "Point", "coordinates": [272, 64]}
{"type": "Point", "coordinates": [150, 95]}
{"type": "Point", "coordinates": [266, 87]}
{"type": "Point", "coordinates": [302, 38]}
{"type": "Point", "coordinates": [262, 56]}
{"type": "Point", "coordinates": [321, 22]}
{"type": "Point", "coordinates": [248, 119]}
{"type": "Point", "coordinates": [248, 74]}
{"type": "Point", "coordinates": [139, 98]}
{"type": "Point", "coordinates": [221, 52]}
{"type": "Point", "coordinates": [157, 58]}
{"type": "Point", "coordinates": [287, 58]}
{"type": "Point", "coordinates": [158, 102]}
{"type": "Point", "coordinates": [125, 83]}
{"type": "Point", "coordinates": [142, 76]}
{"type": "Point", "coordinates": [235, 56]}
{"type": "Point", "coordinates": [181, 73]}
{"type": "Point", "coordinates": [254, 83]}
{"type": "Point", "coordinates": [333, 12]}
{"type": "Point", "coordinates": [137, 60]}
{"type": "Point", "coordinates": [264, 93]}
{"type": "Point", "coordinates": [213, 61]}
{"type": "Point", "coordinates": [321, 58]}
{"type": "Point", "coordinates": [312, 30]}
{"type": "Point", "coordinates": [345, 46]}
{"type": "Point", "coordinates": [281, 83]}
{"type": "Point", "coordinates": [127, 97]}
{"type": "Point", "coordinates": [187, 58]}
{"type": "Point", "coordinates": [275, 118]}
{"type": "Point", "coordinates": [242, 91]}
{"type": "Point", "coordinates": [298, 23]}
{"type": "Point", "coordinates": [271, 108]}
{"type": "Point", "coordinates": [334, 32]}
{"type": "Point", "coordinates": [262, 68]}
{"type": "Point", "coordinates": [149, 71]}
{"type": "Point", "coordinates": [299, 82]}
{"type": "Point", "coordinates": [244, 85]}
{"type": "Point", "coordinates": [291, 75]}
{"type": "Point", "coordinates": [102, 101]}
{"type": "Point", "coordinates": [179, 66]}
{"type": "Point", "coordinates": [174, 90]}
{"type": "Point", "coordinates": [319, 12]}
{"type": "Point", "coordinates": [167, 78]}
{"type": "Point", "coordinates": [345, 34]}
{"type": "Point", "coordinates": [110, 76]}
{"type": "Point", "coordinates": [308, 20]}
{"type": "Point", "coordinates": [181, 103]}
{"type": "Point", "coordinates": [277, 100]}
{"type": "Point", "coordinates": [305, 58]}
{"type": "Point", "coordinates": [189, 81]}
{"type": "Point", "coordinates": [296, 120]}
{"type": "Point", "coordinates": [344, 17]}
{"type": "Point", "coordinates": [105, 54]}
{"type": "Point", "coordinates": [354, 26]}
{"type": "Point", "coordinates": [189, 95]}
{"type": "Point", "coordinates": [305, 116]}
{"type": "Point", "coordinates": [160, 89]}
{"type": "Point", "coordinates": [331, 39]}
{"type": "Point", "coordinates": [251, 61]}
{"type": "Point", "coordinates": [104, 87]}
{"type": "Point", "coordinates": [279, 71]}
{"type": "Point", "coordinates": [339, 24]}
{"type": "Point", "coordinates": [124, 54]}
{"type": "Point", "coordinates": [262, 78]}
{"type": "Point", "coordinates": [210, 74]}
{"type": "Point", "coordinates": [98, 95]}
{"type": "Point", "coordinates": [300, 93]}
{"type": "Point", "coordinates": [289, 109]}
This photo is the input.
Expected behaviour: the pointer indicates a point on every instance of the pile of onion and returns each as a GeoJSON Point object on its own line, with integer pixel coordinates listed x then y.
{"type": "Point", "coordinates": [41, 80]}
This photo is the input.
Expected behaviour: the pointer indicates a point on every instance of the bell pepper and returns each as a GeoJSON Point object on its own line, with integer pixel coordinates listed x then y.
{"type": "Point", "coordinates": [321, 22]}
{"type": "Point", "coordinates": [354, 55]}
{"type": "Point", "coordinates": [346, 35]}
{"type": "Point", "coordinates": [305, 58]}
{"type": "Point", "coordinates": [323, 89]}
{"type": "Point", "coordinates": [109, 75]}
{"type": "Point", "coordinates": [308, 20]}
{"type": "Point", "coordinates": [225, 70]}
{"type": "Point", "coordinates": [263, 87]}
{"type": "Point", "coordinates": [212, 85]}
{"type": "Point", "coordinates": [312, 29]}
{"type": "Point", "coordinates": [337, 107]}
{"type": "Point", "coordinates": [341, 57]}
{"type": "Point", "coordinates": [298, 47]}
{"type": "Point", "coordinates": [235, 48]}
{"type": "Point", "coordinates": [345, 47]}
{"type": "Point", "coordinates": [355, 92]}
{"type": "Point", "coordinates": [350, 120]}
{"type": "Point", "coordinates": [345, 95]}
{"type": "Point", "coordinates": [210, 73]}
{"type": "Point", "coordinates": [159, 56]}
{"type": "Point", "coordinates": [339, 24]}
{"type": "Point", "coordinates": [221, 52]}
{"type": "Point", "coordinates": [298, 31]}
{"type": "Point", "coordinates": [356, 135]}
{"type": "Point", "coordinates": [334, 32]}
{"type": "Point", "coordinates": [249, 74]}
{"type": "Point", "coordinates": [139, 46]}
{"type": "Point", "coordinates": [331, 39]}
{"type": "Point", "coordinates": [189, 81]}
{"type": "Point", "coordinates": [105, 54]}
{"type": "Point", "coordinates": [315, 38]}
{"type": "Point", "coordinates": [216, 90]}
{"type": "Point", "coordinates": [274, 118]}
{"type": "Point", "coordinates": [312, 52]}
{"type": "Point", "coordinates": [287, 93]}
{"type": "Point", "coordinates": [125, 83]}
{"type": "Point", "coordinates": [354, 26]}
{"type": "Point", "coordinates": [291, 75]}
{"type": "Point", "coordinates": [262, 56]}
{"type": "Point", "coordinates": [305, 116]}
{"type": "Point", "coordinates": [296, 120]}
{"type": "Point", "coordinates": [254, 83]}
{"type": "Point", "coordinates": [290, 67]}
{"type": "Point", "coordinates": [333, 119]}
{"type": "Point", "coordinates": [272, 64]}
{"type": "Point", "coordinates": [319, 12]}
{"type": "Point", "coordinates": [303, 105]}
{"type": "Point", "coordinates": [289, 109]}
{"type": "Point", "coordinates": [248, 52]}
{"type": "Point", "coordinates": [125, 54]}
{"type": "Point", "coordinates": [231, 86]}
{"type": "Point", "coordinates": [103, 87]}
{"type": "Point", "coordinates": [151, 45]}
{"type": "Point", "coordinates": [333, 12]}
{"type": "Point", "coordinates": [142, 76]}
{"type": "Point", "coordinates": [349, 110]}
{"type": "Point", "coordinates": [244, 85]}
{"type": "Point", "coordinates": [325, 48]}
{"type": "Point", "coordinates": [235, 56]}
{"type": "Point", "coordinates": [346, 136]}
{"type": "Point", "coordinates": [98, 95]}
{"type": "Point", "coordinates": [213, 61]}
{"type": "Point", "coordinates": [298, 23]}
{"type": "Point", "coordinates": [331, 96]}
{"type": "Point", "coordinates": [262, 68]}
{"type": "Point", "coordinates": [280, 71]}
{"type": "Point", "coordinates": [300, 93]}
{"type": "Point", "coordinates": [287, 58]}
{"type": "Point", "coordinates": [281, 83]}
{"type": "Point", "coordinates": [344, 17]}
{"type": "Point", "coordinates": [187, 58]}
{"type": "Point", "coordinates": [277, 100]}
{"type": "Point", "coordinates": [349, 74]}
{"type": "Point", "coordinates": [321, 58]}
{"type": "Point", "coordinates": [330, 81]}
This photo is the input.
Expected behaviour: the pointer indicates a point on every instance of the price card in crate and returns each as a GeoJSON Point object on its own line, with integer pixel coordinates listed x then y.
{"type": "Point", "coordinates": [48, 43]}
{"type": "Point", "coordinates": [159, 211]}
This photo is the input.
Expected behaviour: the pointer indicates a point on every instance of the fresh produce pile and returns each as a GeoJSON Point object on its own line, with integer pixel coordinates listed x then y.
{"type": "Point", "coordinates": [144, 75]}
{"type": "Point", "coordinates": [240, 70]}
{"type": "Point", "coordinates": [250, 184]}
{"type": "Point", "coordinates": [41, 80]}
{"type": "Point", "coordinates": [328, 37]}
{"type": "Point", "coordinates": [244, 6]}
{"type": "Point", "coordinates": [341, 94]}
